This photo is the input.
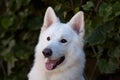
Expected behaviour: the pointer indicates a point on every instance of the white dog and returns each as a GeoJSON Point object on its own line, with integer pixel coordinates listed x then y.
{"type": "Point", "coordinates": [59, 53]}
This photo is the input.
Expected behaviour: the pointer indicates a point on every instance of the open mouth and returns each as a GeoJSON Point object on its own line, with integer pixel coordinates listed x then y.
{"type": "Point", "coordinates": [52, 64]}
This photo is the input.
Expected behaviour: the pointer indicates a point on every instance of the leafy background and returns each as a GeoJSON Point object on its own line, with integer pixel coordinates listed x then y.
{"type": "Point", "coordinates": [20, 22]}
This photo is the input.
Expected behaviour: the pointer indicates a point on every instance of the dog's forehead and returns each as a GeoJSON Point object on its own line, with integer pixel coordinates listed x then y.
{"type": "Point", "coordinates": [60, 29]}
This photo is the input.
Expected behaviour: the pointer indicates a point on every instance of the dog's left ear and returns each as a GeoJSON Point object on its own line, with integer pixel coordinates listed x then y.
{"type": "Point", "coordinates": [49, 18]}
{"type": "Point", "coordinates": [77, 22]}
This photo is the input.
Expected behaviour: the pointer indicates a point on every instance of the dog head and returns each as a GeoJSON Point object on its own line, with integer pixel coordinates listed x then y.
{"type": "Point", "coordinates": [59, 42]}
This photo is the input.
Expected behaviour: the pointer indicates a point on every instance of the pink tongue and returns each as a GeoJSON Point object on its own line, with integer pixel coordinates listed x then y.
{"type": "Point", "coordinates": [50, 64]}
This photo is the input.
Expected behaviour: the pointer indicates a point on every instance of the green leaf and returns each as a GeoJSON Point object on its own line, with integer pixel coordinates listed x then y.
{"type": "Point", "coordinates": [88, 5]}
{"type": "Point", "coordinates": [96, 37]}
{"type": "Point", "coordinates": [108, 27]}
{"type": "Point", "coordinates": [10, 44]}
{"type": "Point", "coordinates": [117, 13]}
{"type": "Point", "coordinates": [108, 66]}
{"type": "Point", "coordinates": [6, 22]}
{"type": "Point", "coordinates": [22, 51]}
{"type": "Point", "coordinates": [102, 64]}
{"type": "Point", "coordinates": [25, 2]}
{"type": "Point", "coordinates": [58, 7]}
{"type": "Point", "coordinates": [76, 9]}
{"type": "Point", "coordinates": [105, 10]}
{"type": "Point", "coordinates": [64, 14]}
{"type": "Point", "coordinates": [34, 23]}
{"type": "Point", "coordinates": [112, 66]}
{"type": "Point", "coordinates": [114, 53]}
{"type": "Point", "coordinates": [10, 59]}
{"type": "Point", "coordinates": [116, 8]}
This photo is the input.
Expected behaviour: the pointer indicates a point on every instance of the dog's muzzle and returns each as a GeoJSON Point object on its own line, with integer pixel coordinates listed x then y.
{"type": "Point", "coordinates": [51, 64]}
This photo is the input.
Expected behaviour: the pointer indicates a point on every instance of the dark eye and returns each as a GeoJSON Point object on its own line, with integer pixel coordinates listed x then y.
{"type": "Point", "coordinates": [48, 38]}
{"type": "Point", "coordinates": [63, 40]}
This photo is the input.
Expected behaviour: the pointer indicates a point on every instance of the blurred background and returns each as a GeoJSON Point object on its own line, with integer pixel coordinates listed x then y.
{"type": "Point", "coordinates": [20, 23]}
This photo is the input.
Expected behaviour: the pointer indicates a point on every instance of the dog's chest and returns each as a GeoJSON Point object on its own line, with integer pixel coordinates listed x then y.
{"type": "Point", "coordinates": [68, 76]}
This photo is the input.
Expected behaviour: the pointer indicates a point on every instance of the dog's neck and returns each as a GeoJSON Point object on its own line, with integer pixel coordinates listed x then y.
{"type": "Point", "coordinates": [73, 71]}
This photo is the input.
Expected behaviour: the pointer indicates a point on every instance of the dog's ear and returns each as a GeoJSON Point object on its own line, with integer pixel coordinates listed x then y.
{"type": "Point", "coordinates": [49, 18]}
{"type": "Point", "coordinates": [77, 22]}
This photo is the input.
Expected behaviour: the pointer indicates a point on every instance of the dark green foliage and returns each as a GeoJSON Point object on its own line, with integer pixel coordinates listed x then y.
{"type": "Point", "coordinates": [21, 20]}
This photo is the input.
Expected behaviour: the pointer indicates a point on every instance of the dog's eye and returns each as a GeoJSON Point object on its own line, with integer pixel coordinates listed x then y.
{"type": "Point", "coordinates": [48, 38]}
{"type": "Point", "coordinates": [63, 40]}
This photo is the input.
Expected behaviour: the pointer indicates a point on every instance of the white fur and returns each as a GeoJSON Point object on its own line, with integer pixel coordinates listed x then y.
{"type": "Point", "coordinates": [73, 66]}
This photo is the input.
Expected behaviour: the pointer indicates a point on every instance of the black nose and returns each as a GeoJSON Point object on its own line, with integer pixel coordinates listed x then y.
{"type": "Point", "coordinates": [47, 52]}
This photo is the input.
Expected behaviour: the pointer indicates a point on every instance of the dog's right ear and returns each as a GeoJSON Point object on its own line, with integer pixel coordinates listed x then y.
{"type": "Point", "coordinates": [77, 23]}
{"type": "Point", "coordinates": [49, 18]}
